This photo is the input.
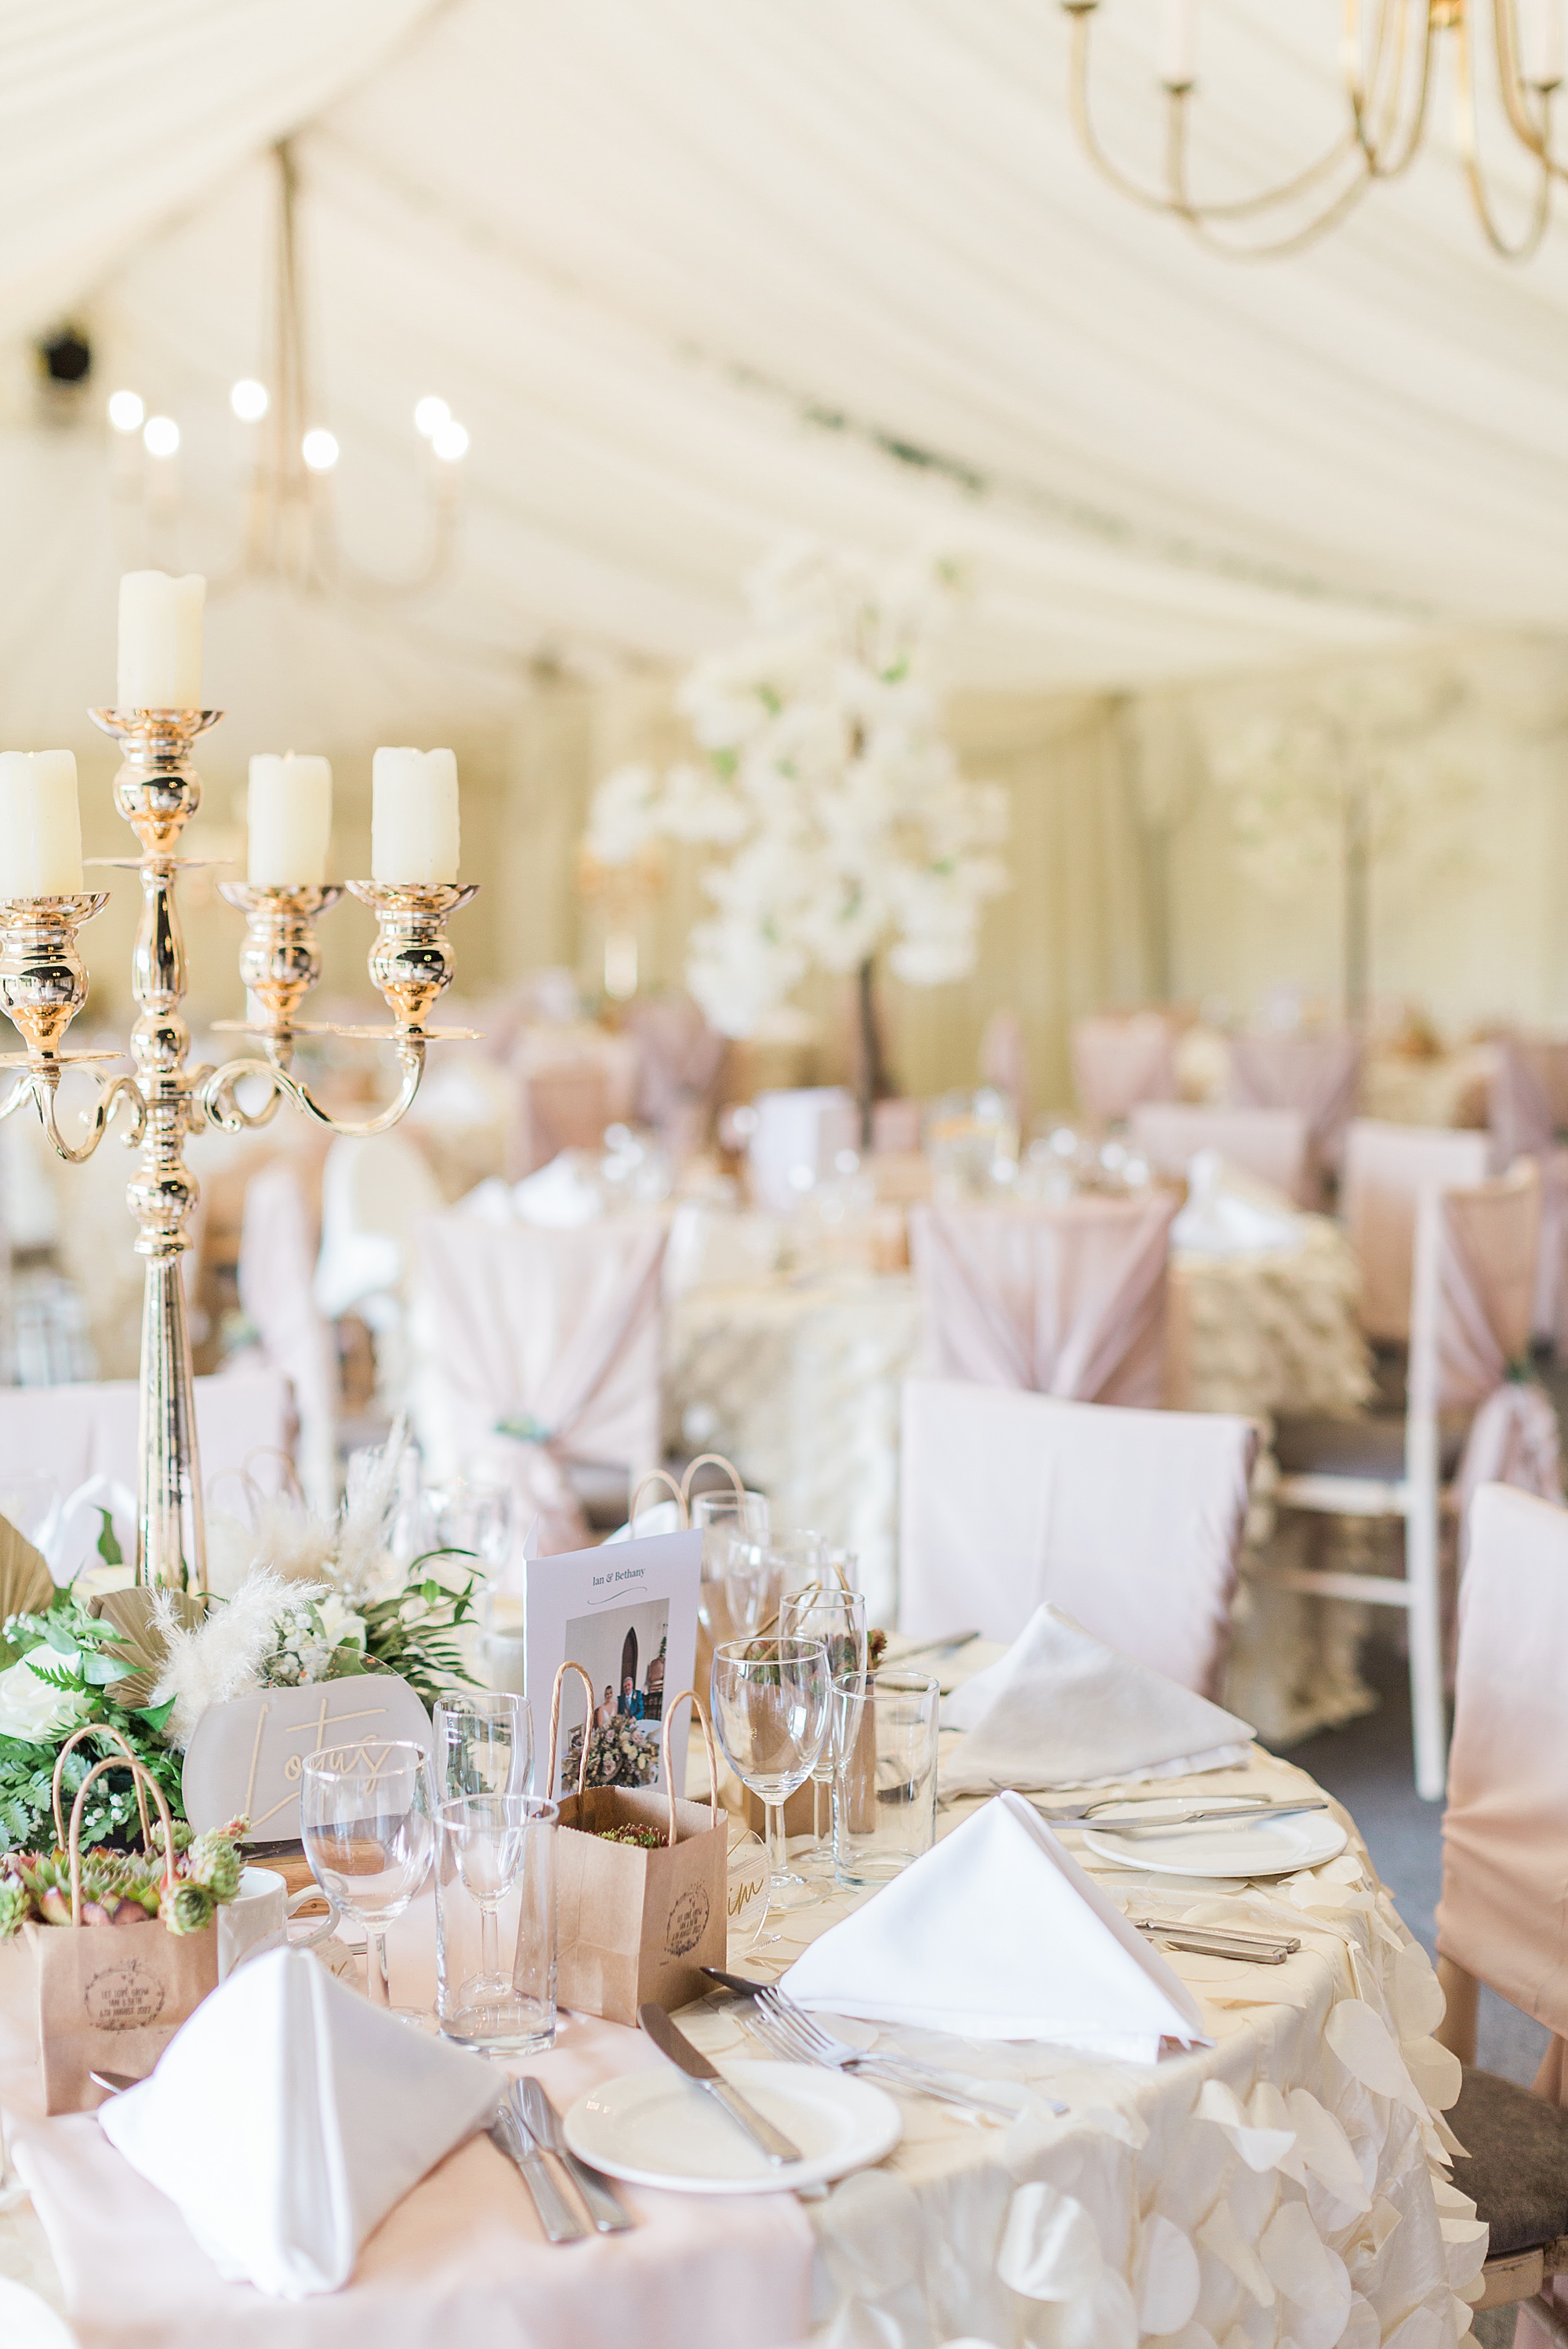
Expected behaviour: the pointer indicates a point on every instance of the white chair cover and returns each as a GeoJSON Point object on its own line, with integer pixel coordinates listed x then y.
{"type": "Point", "coordinates": [800, 1132]}
{"type": "Point", "coordinates": [1469, 1332]}
{"type": "Point", "coordinates": [1066, 1300]}
{"type": "Point", "coordinates": [1118, 1062]}
{"type": "Point", "coordinates": [1319, 1075]}
{"type": "Point", "coordinates": [276, 1264]}
{"type": "Point", "coordinates": [1388, 1169]}
{"type": "Point", "coordinates": [557, 1332]}
{"type": "Point", "coordinates": [58, 1437]}
{"type": "Point", "coordinates": [1271, 1143]}
{"type": "Point", "coordinates": [1505, 1831]}
{"type": "Point", "coordinates": [1129, 1520]}
{"type": "Point", "coordinates": [373, 1196]}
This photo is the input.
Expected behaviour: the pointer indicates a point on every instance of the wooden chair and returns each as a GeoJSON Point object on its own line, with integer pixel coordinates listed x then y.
{"type": "Point", "coordinates": [1505, 1875]}
{"type": "Point", "coordinates": [1473, 1284]}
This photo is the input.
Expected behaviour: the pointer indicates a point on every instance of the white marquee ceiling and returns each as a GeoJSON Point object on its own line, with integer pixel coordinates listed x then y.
{"type": "Point", "coordinates": [695, 273]}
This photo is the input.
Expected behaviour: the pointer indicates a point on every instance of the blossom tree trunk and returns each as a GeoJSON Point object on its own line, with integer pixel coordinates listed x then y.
{"type": "Point", "coordinates": [872, 1081]}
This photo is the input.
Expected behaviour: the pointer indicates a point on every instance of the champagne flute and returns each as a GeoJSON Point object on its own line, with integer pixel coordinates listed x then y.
{"type": "Point", "coordinates": [837, 1617]}
{"type": "Point", "coordinates": [770, 1705]}
{"type": "Point", "coordinates": [723, 1517]}
{"type": "Point", "coordinates": [484, 1743]}
{"type": "Point", "coordinates": [485, 1833]}
{"type": "Point", "coordinates": [366, 1820]}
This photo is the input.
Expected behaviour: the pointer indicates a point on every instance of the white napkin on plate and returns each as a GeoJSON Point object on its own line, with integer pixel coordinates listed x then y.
{"type": "Point", "coordinates": [1231, 1213]}
{"type": "Point", "coordinates": [1061, 1710]}
{"type": "Point", "coordinates": [288, 2115]}
{"type": "Point", "coordinates": [997, 1933]}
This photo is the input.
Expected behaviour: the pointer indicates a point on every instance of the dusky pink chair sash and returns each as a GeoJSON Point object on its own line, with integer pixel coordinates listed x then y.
{"type": "Point", "coordinates": [1523, 1123]}
{"type": "Point", "coordinates": [1318, 1075]}
{"type": "Point", "coordinates": [1117, 1062]}
{"type": "Point", "coordinates": [277, 1266]}
{"type": "Point", "coordinates": [1503, 1914]}
{"type": "Point", "coordinates": [1066, 1300]}
{"type": "Point", "coordinates": [1517, 1109]}
{"type": "Point", "coordinates": [1130, 1520]}
{"type": "Point", "coordinates": [1469, 1332]}
{"type": "Point", "coordinates": [1388, 1170]}
{"type": "Point", "coordinates": [680, 1060]}
{"type": "Point", "coordinates": [555, 1332]}
{"type": "Point", "coordinates": [1269, 1142]}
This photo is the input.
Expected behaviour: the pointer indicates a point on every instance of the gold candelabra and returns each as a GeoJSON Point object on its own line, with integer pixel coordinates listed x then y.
{"type": "Point", "coordinates": [42, 986]}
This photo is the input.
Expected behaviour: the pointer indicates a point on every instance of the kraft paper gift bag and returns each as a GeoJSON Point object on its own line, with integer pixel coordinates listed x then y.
{"type": "Point", "coordinates": [111, 1997]}
{"type": "Point", "coordinates": [634, 1924]}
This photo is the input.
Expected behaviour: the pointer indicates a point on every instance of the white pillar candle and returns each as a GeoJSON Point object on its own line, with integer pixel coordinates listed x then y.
{"type": "Point", "coordinates": [290, 813]}
{"type": "Point", "coordinates": [160, 641]}
{"type": "Point", "coordinates": [414, 816]}
{"type": "Point", "coordinates": [40, 826]}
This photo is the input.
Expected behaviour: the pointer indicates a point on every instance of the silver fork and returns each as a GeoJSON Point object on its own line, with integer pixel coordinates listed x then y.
{"type": "Point", "coordinates": [792, 2031]}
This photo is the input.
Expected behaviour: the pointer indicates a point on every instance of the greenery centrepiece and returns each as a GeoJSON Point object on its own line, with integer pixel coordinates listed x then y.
{"type": "Point", "coordinates": [296, 1599]}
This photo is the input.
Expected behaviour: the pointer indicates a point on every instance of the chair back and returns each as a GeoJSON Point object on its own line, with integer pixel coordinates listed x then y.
{"type": "Point", "coordinates": [1519, 1111]}
{"type": "Point", "coordinates": [1471, 1315]}
{"type": "Point", "coordinates": [555, 1332]}
{"type": "Point", "coordinates": [1118, 1062]}
{"type": "Point", "coordinates": [680, 1061]}
{"type": "Point", "coordinates": [562, 1107]}
{"type": "Point", "coordinates": [800, 1132]}
{"type": "Point", "coordinates": [1503, 1913]}
{"type": "Point", "coordinates": [1271, 1143]}
{"type": "Point", "coordinates": [277, 1261]}
{"type": "Point", "coordinates": [1065, 1300]}
{"type": "Point", "coordinates": [374, 1192]}
{"type": "Point", "coordinates": [1130, 1520]}
{"type": "Point", "coordinates": [1005, 1062]}
{"type": "Point", "coordinates": [53, 1439]}
{"type": "Point", "coordinates": [1319, 1075]}
{"type": "Point", "coordinates": [1388, 1170]}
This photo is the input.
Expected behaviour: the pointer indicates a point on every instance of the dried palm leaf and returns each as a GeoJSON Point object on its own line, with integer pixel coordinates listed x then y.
{"type": "Point", "coordinates": [139, 1638]}
{"type": "Point", "coordinates": [27, 1586]}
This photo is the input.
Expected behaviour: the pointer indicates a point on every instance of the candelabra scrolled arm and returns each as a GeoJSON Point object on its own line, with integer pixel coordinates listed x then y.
{"type": "Point", "coordinates": [222, 1108]}
{"type": "Point", "coordinates": [41, 1085]}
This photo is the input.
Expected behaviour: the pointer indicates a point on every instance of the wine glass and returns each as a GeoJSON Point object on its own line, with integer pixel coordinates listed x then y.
{"type": "Point", "coordinates": [770, 1702]}
{"type": "Point", "coordinates": [477, 1518]}
{"type": "Point", "coordinates": [723, 1519]}
{"type": "Point", "coordinates": [366, 1820]}
{"type": "Point", "coordinates": [759, 1573]}
{"type": "Point", "coordinates": [826, 1611]}
{"type": "Point", "coordinates": [484, 1743]}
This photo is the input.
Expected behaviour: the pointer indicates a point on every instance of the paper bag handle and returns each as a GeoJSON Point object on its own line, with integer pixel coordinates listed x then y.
{"type": "Point", "coordinates": [659, 1477]}
{"type": "Point", "coordinates": [712, 1760]}
{"type": "Point", "coordinates": [710, 1460]}
{"type": "Point", "coordinates": [555, 1728]}
{"type": "Point", "coordinates": [142, 1777]}
{"type": "Point", "coordinates": [95, 1729]}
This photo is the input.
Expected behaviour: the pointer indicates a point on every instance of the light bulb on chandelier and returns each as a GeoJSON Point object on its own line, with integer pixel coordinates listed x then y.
{"type": "Point", "coordinates": [1389, 55]}
{"type": "Point", "coordinates": [289, 523]}
{"type": "Point", "coordinates": [249, 400]}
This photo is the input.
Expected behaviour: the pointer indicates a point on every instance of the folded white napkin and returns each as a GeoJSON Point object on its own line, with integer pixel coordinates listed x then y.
{"type": "Point", "coordinates": [561, 1197]}
{"type": "Point", "coordinates": [1061, 1710]}
{"type": "Point", "coordinates": [997, 1933]}
{"type": "Point", "coordinates": [288, 2115]}
{"type": "Point", "coordinates": [1231, 1213]}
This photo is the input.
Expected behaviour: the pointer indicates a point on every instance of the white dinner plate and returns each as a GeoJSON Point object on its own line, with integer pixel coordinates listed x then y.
{"type": "Point", "coordinates": [660, 2128]}
{"type": "Point", "coordinates": [1261, 1847]}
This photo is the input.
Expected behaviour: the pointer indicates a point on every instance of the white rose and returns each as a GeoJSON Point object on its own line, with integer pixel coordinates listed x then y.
{"type": "Point", "coordinates": [33, 1710]}
{"type": "Point", "coordinates": [342, 1626]}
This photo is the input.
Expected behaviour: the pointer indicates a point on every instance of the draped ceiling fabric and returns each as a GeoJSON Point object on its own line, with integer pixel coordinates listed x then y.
{"type": "Point", "coordinates": [695, 273]}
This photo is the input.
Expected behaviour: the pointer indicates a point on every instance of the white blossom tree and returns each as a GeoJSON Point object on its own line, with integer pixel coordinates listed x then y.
{"type": "Point", "coordinates": [844, 828]}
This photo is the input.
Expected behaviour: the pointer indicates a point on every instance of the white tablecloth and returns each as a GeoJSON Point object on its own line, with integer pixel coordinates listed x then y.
{"type": "Point", "coordinates": [1166, 2199]}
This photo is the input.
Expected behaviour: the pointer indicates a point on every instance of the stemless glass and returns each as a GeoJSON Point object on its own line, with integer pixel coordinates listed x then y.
{"type": "Point", "coordinates": [770, 1704]}
{"type": "Point", "coordinates": [484, 1743]}
{"type": "Point", "coordinates": [723, 1519]}
{"type": "Point", "coordinates": [365, 1821]}
{"type": "Point", "coordinates": [495, 1893]}
{"type": "Point", "coordinates": [758, 1573]}
{"type": "Point", "coordinates": [838, 1618]}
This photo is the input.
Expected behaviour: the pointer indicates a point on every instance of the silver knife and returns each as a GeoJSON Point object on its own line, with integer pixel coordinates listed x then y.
{"type": "Point", "coordinates": [511, 2136]}
{"type": "Point", "coordinates": [674, 2043]}
{"type": "Point", "coordinates": [1087, 1815]}
{"type": "Point", "coordinates": [533, 2098]}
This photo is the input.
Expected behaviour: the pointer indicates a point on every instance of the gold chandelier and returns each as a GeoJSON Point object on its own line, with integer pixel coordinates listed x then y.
{"type": "Point", "coordinates": [289, 526]}
{"type": "Point", "coordinates": [1390, 52]}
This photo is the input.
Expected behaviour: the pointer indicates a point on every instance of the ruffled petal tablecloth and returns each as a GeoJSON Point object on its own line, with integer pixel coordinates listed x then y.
{"type": "Point", "coordinates": [1283, 2190]}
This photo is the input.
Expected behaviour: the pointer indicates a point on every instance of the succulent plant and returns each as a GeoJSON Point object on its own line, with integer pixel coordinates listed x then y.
{"type": "Point", "coordinates": [125, 1888]}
